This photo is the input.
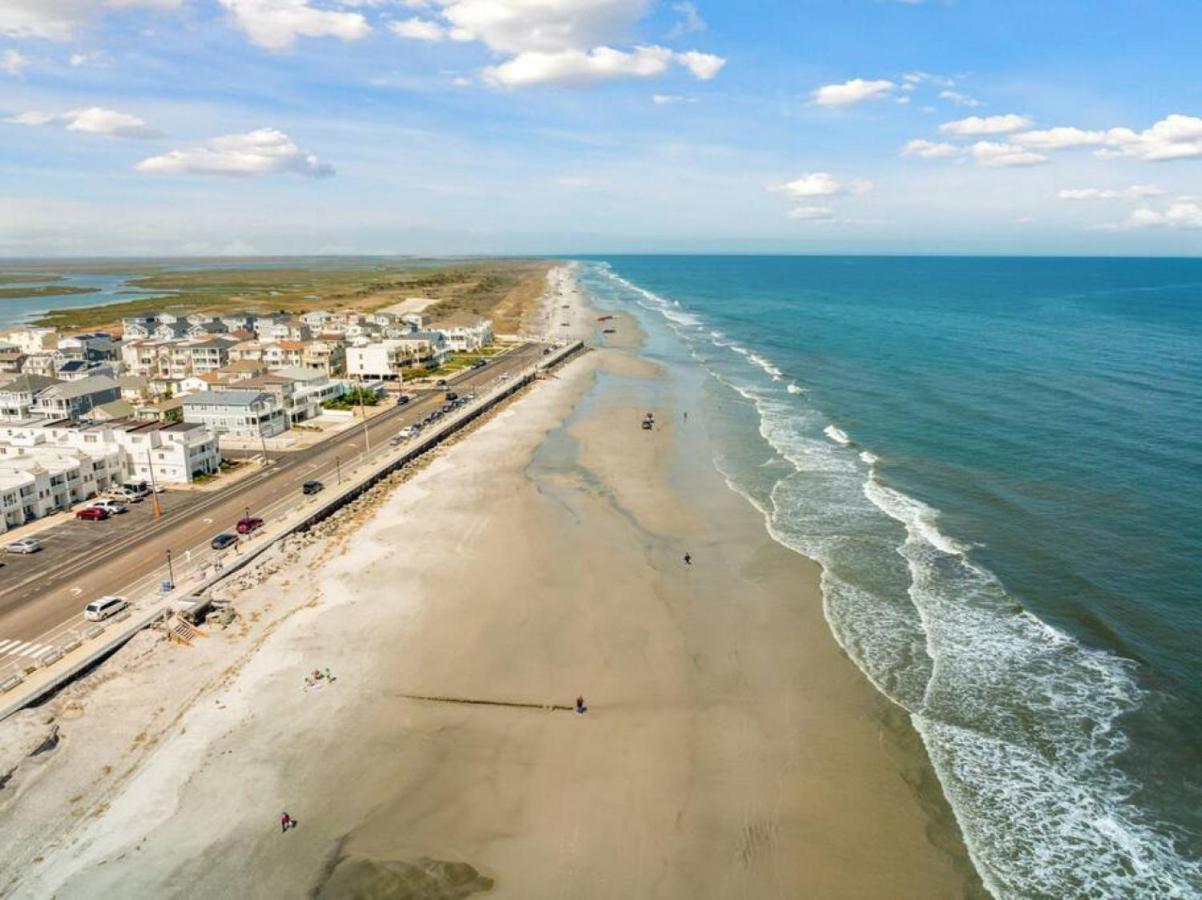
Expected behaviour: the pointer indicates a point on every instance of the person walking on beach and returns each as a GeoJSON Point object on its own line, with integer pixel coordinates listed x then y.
{"type": "Point", "coordinates": [581, 709]}
{"type": "Point", "coordinates": [688, 559]}
{"type": "Point", "coordinates": [285, 822]}
{"type": "Point", "coordinates": [686, 415]}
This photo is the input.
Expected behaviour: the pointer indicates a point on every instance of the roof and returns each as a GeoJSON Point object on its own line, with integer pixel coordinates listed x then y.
{"type": "Point", "coordinates": [226, 398]}
{"type": "Point", "coordinates": [28, 384]}
{"type": "Point", "coordinates": [182, 426]}
{"type": "Point", "coordinates": [245, 365]}
{"type": "Point", "coordinates": [115, 409]}
{"type": "Point", "coordinates": [299, 373]}
{"type": "Point", "coordinates": [133, 381]}
{"type": "Point", "coordinates": [286, 345]}
{"type": "Point", "coordinates": [75, 365]}
{"type": "Point", "coordinates": [82, 388]}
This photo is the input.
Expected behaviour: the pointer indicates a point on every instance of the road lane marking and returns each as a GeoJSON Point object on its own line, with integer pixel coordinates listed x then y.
{"type": "Point", "coordinates": [4, 645]}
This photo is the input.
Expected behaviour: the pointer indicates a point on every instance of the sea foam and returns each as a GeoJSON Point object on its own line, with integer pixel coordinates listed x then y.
{"type": "Point", "coordinates": [1021, 721]}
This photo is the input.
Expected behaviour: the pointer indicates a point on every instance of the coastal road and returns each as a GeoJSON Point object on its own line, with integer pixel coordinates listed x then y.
{"type": "Point", "coordinates": [85, 560]}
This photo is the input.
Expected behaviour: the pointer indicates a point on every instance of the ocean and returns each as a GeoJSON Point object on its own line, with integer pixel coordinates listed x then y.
{"type": "Point", "coordinates": [998, 462]}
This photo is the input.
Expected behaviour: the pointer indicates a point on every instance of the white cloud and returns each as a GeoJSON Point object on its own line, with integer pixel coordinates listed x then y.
{"type": "Point", "coordinates": [277, 24]}
{"type": "Point", "coordinates": [521, 26]}
{"type": "Point", "coordinates": [812, 184]}
{"type": "Point", "coordinates": [668, 99]}
{"type": "Point", "coordinates": [1059, 138]}
{"type": "Point", "coordinates": [812, 213]}
{"type": "Point", "coordinates": [1173, 137]}
{"type": "Point", "coordinates": [1184, 212]}
{"type": "Point", "coordinates": [57, 20]}
{"type": "Point", "coordinates": [583, 67]}
{"type": "Point", "coordinates": [995, 155]}
{"type": "Point", "coordinates": [93, 120]}
{"type": "Point", "coordinates": [262, 152]}
{"type": "Point", "coordinates": [12, 62]}
{"type": "Point", "coordinates": [690, 20]}
{"type": "Point", "coordinates": [857, 90]}
{"type": "Point", "coordinates": [563, 42]}
{"type": "Point", "coordinates": [977, 125]}
{"type": "Point", "coordinates": [579, 67]}
{"type": "Point", "coordinates": [419, 29]}
{"type": "Point", "coordinates": [930, 149]}
{"type": "Point", "coordinates": [1135, 192]}
{"type": "Point", "coordinates": [79, 59]}
{"type": "Point", "coordinates": [959, 99]}
{"type": "Point", "coordinates": [704, 66]}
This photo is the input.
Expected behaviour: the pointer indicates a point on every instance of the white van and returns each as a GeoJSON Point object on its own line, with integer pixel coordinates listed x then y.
{"type": "Point", "coordinates": [103, 608]}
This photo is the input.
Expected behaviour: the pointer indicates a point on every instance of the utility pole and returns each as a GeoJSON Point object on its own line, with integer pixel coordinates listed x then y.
{"type": "Point", "coordinates": [338, 466]}
{"type": "Point", "coordinates": [262, 442]}
{"type": "Point", "coordinates": [154, 494]}
{"type": "Point", "coordinates": [363, 409]}
{"type": "Point", "coordinates": [170, 571]}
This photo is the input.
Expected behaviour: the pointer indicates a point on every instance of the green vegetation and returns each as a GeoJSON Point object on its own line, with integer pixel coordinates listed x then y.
{"type": "Point", "coordinates": [353, 399]}
{"type": "Point", "coordinates": [53, 290]}
{"type": "Point", "coordinates": [19, 278]}
{"type": "Point", "coordinates": [494, 288]}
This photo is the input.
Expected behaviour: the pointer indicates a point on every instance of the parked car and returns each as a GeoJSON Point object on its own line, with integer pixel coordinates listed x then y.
{"type": "Point", "coordinates": [223, 540]}
{"type": "Point", "coordinates": [247, 524]}
{"type": "Point", "coordinates": [25, 545]}
{"type": "Point", "coordinates": [442, 382]}
{"type": "Point", "coordinates": [312, 487]}
{"type": "Point", "coordinates": [92, 513]}
{"type": "Point", "coordinates": [479, 363]}
{"type": "Point", "coordinates": [135, 490]}
{"type": "Point", "coordinates": [403, 399]}
{"type": "Point", "coordinates": [451, 395]}
{"type": "Point", "coordinates": [104, 607]}
{"type": "Point", "coordinates": [127, 496]}
{"type": "Point", "coordinates": [114, 507]}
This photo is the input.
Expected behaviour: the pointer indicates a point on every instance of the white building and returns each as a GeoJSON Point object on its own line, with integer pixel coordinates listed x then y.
{"type": "Point", "coordinates": [32, 339]}
{"type": "Point", "coordinates": [177, 453]}
{"type": "Point", "coordinates": [464, 332]}
{"type": "Point", "coordinates": [381, 360]}
{"type": "Point", "coordinates": [240, 413]}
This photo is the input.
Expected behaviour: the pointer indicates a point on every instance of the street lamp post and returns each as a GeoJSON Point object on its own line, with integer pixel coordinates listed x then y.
{"type": "Point", "coordinates": [338, 466]}
{"type": "Point", "coordinates": [170, 571]}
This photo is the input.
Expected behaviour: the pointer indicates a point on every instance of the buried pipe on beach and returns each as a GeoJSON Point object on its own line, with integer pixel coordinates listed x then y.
{"type": "Point", "coordinates": [470, 701]}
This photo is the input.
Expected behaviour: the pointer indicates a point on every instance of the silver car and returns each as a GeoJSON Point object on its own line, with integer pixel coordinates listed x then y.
{"type": "Point", "coordinates": [25, 545]}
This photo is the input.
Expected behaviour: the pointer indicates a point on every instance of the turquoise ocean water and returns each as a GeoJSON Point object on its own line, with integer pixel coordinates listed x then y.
{"type": "Point", "coordinates": [999, 464]}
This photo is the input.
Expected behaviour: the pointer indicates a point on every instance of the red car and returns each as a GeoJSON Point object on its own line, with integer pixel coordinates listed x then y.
{"type": "Point", "coordinates": [93, 514]}
{"type": "Point", "coordinates": [247, 524]}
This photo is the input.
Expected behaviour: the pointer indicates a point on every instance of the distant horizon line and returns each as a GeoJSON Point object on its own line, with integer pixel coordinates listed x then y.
{"type": "Point", "coordinates": [9, 260]}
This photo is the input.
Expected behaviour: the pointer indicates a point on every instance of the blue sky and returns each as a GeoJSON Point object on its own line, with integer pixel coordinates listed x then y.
{"type": "Point", "coordinates": [557, 126]}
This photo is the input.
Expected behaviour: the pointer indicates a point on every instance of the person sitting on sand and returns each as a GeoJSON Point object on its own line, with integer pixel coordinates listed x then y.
{"type": "Point", "coordinates": [688, 559]}
{"type": "Point", "coordinates": [286, 821]}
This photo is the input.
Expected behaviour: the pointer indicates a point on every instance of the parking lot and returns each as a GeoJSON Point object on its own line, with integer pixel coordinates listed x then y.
{"type": "Point", "coordinates": [64, 544]}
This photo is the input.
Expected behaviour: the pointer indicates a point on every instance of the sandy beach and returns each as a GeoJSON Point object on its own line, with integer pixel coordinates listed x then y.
{"type": "Point", "coordinates": [729, 748]}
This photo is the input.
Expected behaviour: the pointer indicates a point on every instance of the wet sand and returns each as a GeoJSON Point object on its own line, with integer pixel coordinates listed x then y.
{"type": "Point", "coordinates": [729, 749]}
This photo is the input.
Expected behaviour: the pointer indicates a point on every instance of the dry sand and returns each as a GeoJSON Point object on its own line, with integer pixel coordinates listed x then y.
{"type": "Point", "coordinates": [730, 750]}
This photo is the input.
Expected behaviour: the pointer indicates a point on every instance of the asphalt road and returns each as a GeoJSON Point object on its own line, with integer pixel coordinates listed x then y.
{"type": "Point", "coordinates": [84, 560]}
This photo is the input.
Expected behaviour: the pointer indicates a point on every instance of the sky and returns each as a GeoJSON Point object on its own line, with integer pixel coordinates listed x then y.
{"type": "Point", "coordinates": [264, 127]}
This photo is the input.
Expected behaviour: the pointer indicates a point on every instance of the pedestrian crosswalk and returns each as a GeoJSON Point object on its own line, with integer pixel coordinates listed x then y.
{"type": "Point", "coordinates": [23, 648]}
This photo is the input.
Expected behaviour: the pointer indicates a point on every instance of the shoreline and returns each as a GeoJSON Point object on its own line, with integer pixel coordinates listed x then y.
{"type": "Point", "coordinates": [731, 748]}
